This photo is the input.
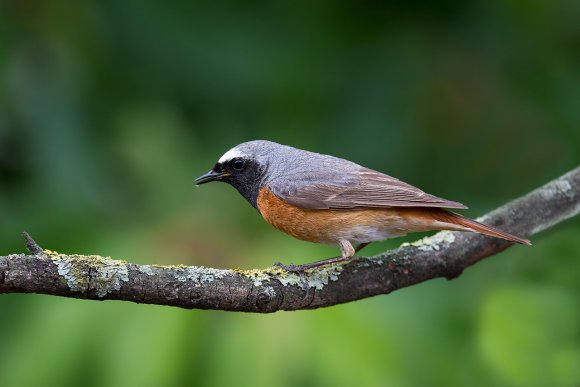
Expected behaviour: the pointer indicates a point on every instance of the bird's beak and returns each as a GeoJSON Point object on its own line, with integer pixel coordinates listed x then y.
{"type": "Point", "coordinates": [208, 177]}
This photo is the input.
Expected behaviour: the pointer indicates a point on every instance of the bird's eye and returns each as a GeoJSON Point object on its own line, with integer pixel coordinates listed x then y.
{"type": "Point", "coordinates": [238, 164]}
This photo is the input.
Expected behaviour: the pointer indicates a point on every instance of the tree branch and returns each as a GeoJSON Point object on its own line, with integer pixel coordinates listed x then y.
{"type": "Point", "coordinates": [445, 254]}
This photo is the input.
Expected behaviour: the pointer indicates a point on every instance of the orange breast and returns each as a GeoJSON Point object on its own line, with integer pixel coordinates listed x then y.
{"type": "Point", "coordinates": [328, 226]}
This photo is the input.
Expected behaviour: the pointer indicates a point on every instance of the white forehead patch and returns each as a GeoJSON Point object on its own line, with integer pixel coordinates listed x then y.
{"type": "Point", "coordinates": [230, 155]}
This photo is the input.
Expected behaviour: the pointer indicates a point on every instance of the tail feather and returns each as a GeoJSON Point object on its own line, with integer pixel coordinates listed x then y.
{"type": "Point", "coordinates": [475, 226]}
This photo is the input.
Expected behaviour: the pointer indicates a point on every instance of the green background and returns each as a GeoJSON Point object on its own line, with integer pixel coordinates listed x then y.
{"type": "Point", "coordinates": [110, 109]}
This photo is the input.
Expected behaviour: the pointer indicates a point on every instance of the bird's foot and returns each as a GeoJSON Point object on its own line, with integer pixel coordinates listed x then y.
{"type": "Point", "coordinates": [292, 268]}
{"type": "Point", "coordinates": [300, 269]}
{"type": "Point", "coordinates": [296, 269]}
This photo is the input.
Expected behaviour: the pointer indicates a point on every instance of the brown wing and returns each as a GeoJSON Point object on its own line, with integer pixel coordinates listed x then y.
{"type": "Point", "coordinates": [364, 188]}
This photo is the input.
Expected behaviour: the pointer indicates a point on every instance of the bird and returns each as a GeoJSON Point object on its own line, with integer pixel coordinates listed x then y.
{"type": "Point", "coordinates": [325, 199]}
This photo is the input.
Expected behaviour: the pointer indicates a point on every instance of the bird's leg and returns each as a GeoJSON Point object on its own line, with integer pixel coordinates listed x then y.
{"type": "Point", "coordinates": [361, 246]}
{"type": "Point", "coordinates": [345, 248]}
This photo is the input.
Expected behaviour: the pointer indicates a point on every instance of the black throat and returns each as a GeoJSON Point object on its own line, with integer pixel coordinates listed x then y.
{"type": "Point", "coordinates": [248, 183]}
{"type": "Point", "coordinates": [248, 190]}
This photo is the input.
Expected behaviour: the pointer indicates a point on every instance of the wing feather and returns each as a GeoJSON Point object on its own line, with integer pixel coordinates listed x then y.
{"type": "Point", "coordinates": [363, 188]}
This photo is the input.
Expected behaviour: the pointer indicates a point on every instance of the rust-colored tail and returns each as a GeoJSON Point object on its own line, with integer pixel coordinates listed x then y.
{"type": "Point", "coordinates": [472, 225]}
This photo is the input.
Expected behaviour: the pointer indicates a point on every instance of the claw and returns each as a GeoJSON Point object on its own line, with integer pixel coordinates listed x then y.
{"type": "Point", "coordinates": [300, 269]}
{"type": "Point", "coordinates": [292, 268]}
{"type": "Point", "coordinates": [295, 269]}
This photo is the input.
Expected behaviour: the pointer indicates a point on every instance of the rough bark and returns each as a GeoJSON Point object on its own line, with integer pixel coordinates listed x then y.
{"type": "Point", "coordinates": [446, 254]}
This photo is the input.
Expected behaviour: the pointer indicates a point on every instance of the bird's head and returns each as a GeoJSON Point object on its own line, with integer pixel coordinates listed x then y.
{"type": "Point", "coordinates": [243, 167]}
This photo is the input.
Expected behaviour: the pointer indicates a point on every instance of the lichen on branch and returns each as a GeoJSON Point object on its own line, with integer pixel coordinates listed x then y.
{"type": "Point", "coordinates": [445, 254]}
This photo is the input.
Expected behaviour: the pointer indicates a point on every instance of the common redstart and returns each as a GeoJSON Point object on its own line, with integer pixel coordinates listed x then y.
{"type": "Point", "coordinates": [325, 199]}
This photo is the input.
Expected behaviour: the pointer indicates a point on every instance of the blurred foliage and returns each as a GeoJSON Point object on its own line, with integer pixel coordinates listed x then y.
{"type": "Point", "coordinates": [109, 109]}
